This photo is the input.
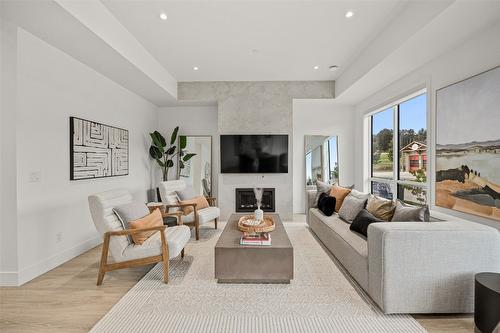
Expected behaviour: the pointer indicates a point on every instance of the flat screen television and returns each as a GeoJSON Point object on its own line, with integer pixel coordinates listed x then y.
{"type": "Point", "coordinates": [254, 153]}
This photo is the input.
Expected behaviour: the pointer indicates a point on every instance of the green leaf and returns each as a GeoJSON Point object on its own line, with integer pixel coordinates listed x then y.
{"type": "Point", "coordinates": [170, 163]}
{"type": "Point", "coordinates": [171, 150]}
{"type": "Point", "coordinates": [188, 157]}
{"type": "Point", "coordinates": [181, 165]}
{"type": "Point", "coordinates": [174, 135]}
{"type": "Point", "coordinates": [161, 163]}
{"type": "Point", "coordinates": [158, 139]}
{"type": "Point", "coordinates": [155, 152]}
{"type": "Point", "coordinates": [183, 141]}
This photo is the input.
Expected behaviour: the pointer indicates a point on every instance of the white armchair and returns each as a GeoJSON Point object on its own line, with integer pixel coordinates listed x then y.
{"type": "Point", "coordinates": [165, 244]}
{"type": "Point", "coordinates": [198, 216]}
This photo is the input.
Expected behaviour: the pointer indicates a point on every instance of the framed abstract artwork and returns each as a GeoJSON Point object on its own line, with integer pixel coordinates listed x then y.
{"type": "Point", "coordinates": [468, 145]}
{"type": "Point", "coordinates": [97, 150]}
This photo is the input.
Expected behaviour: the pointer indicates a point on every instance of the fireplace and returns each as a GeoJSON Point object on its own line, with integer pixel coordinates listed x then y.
{"type": "Point", "coordinates": [245, 200]}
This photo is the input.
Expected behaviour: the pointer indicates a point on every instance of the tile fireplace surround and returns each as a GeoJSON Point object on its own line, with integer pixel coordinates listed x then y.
{"type": "Point", "coordinates": [245, 200]}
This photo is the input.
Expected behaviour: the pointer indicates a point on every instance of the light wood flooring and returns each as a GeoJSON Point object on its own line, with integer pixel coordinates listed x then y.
{"type": "Point", "coordinates": [67, 300]}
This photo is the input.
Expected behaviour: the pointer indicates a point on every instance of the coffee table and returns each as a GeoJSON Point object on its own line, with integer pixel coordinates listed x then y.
{"type": "Point", "coordinates": [235, 263]}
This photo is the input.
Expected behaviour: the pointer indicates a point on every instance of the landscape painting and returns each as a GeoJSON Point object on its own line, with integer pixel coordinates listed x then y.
{"type": "Point", "coordinates": [468, 145]}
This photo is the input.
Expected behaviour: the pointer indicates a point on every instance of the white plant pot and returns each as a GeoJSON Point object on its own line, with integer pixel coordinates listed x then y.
{"type": "Point", "coordinates": [259, 214]}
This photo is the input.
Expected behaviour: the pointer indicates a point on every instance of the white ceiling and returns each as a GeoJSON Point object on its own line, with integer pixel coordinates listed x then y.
{"type": "Point", "coordinates": [254, 40]}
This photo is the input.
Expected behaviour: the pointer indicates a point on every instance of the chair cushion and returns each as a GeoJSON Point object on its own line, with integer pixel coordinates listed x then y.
{"type": "Point", "coordinates": [177, 238]}
{"type": "Point", "coordinates": [205, 215]}
{"type": "Point", "coordinates": [152, 220]}
{"type": "Point", "coordinates": [200, 201]}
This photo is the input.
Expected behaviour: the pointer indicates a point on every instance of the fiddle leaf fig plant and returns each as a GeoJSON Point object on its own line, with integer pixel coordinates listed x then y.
{"type": "Point", "coordinates": [164, 154]}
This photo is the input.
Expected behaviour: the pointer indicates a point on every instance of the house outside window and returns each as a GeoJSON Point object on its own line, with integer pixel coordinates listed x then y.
{"type": "Point", "coordinates": [398, 150]}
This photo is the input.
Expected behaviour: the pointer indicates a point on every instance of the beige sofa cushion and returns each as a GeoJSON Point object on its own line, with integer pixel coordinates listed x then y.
{"type": "Point", "coordinates": [381, 208]}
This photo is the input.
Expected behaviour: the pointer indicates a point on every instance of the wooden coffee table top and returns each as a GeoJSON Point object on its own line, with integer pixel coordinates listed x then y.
{"type": "Point", "coordinates": [230, 237]}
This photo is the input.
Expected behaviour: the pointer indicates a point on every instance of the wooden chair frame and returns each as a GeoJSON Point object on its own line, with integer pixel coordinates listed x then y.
{"type": "Point", "coordinates": [163, 257]}
{"type": "Point", "coordinates": [196, 221]}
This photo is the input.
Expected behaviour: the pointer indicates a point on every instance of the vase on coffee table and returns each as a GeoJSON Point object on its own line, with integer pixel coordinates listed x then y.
{"type": "Point", "coordinates": [259, 213]}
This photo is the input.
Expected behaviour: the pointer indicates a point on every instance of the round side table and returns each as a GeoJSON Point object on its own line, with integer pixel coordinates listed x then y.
{"type": "Point", "coordinates": [487, 301]}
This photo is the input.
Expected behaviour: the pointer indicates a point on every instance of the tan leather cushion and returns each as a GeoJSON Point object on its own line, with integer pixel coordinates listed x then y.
{"type": "Point", "coordinates": [381, 207]}
{"type": "Point", "coordinates": [339, 193]}
{"type": "Point", "coordinates": [152, 220]}
{"type": "Point", "coordinates": [200, 201]}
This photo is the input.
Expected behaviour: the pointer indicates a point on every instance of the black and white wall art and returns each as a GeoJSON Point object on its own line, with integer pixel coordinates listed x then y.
{"type": "Point", "coordinates": [97, 150]}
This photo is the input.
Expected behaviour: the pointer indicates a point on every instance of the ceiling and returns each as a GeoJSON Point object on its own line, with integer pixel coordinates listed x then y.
{"type": "Point", "coordinates": [253, 40]}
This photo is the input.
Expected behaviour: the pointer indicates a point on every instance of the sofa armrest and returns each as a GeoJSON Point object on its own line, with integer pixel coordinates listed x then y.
{"type": "Point", "coordinates": [418, 267]}
{"type": "Point", "coordinates": [310, 196]}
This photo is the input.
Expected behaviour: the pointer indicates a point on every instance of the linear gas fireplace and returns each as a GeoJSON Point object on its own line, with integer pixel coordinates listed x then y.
{"type": "Point", "coordinates": [245, 200]}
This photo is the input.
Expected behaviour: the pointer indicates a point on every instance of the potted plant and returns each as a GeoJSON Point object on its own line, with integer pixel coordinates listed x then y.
{"type": "Point", "coordinates": [164, 155]}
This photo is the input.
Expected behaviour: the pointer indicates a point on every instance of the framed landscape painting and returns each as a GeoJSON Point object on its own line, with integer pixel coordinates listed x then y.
{"type": "Point", "coordinates": [468, 145]}
{"type": "Point", "coordinates": [97, 150]}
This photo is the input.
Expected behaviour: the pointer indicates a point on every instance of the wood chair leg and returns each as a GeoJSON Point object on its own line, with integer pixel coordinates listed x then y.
{"type": "Point", "coordinates": [165, 257]}
{"type": "Point", "coordinates": [215, 223]}
{"type": "Point", "coordinates": [182, 253]}
{"type": "Point", "coordinates": [197, 226]}
{"type": "Point", "coordinates": [104, 260]}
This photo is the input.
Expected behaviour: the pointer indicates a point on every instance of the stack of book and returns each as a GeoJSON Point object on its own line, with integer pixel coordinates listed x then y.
{"type": "Point", "coordinates": [259, 239]}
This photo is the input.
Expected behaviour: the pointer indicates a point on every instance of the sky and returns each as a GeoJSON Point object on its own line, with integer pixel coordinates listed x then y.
{"type": "Point", "coordinates": [412, 115]}
{"type": "Point", "coordinates": [469, 110]}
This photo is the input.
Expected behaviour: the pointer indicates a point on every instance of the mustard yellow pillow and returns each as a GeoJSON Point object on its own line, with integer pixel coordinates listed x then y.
{"type": "Point", "coordinates": [381, 208]}
{"type": "Point", "coordinates": [152, 220]}
{"type": "Point", "coordinates": [339, 193]}
{"type": "Point", "coordinates": [200, 201]}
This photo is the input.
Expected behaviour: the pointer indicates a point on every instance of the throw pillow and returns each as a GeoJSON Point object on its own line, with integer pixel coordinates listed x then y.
{"type": "Point", "coordinates": [351, 207]}
{"type": "Point", "coordinates": [152, 220]}
{"type": "Point", "coordinates": [381, 208]}
{"type": "Point", "coordinates": [131, 211]}
{"type": "Point", "coordinates": [200, 201]}
{"type": "Point", "coordinates": [360, 195]}
{"type": "Point", "coordinates": [339, 193]}
{"type": "Point", "coordinates": [408, 213]}
{"type": "Point", "coordinates": [186, 194]}
{"type": "Point", "coordinates": [362, 221]}
{"type": "Point", "coordinates": [326, 204]}
{"type": "Point", "coordinates": [321, 187]}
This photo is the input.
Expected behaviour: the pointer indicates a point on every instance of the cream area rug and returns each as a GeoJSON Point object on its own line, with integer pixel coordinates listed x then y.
{"type": "Point", "coordinates": [320, 298]}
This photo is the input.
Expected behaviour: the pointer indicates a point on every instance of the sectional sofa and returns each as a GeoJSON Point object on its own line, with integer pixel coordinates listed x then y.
{"type": "Point", "coordinates": [412, 267]}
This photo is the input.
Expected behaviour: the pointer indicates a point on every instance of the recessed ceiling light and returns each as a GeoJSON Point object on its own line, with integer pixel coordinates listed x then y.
{"type": "Point", "coordinates": [349, 14]}
{"type": "Point", "coordinates": [316, 67]}
{"type": "Point", "coordinates": [333, 68]}
{"type": "Point", "coordinates": [163, 16]}
{"type": "Point", "coordinates": [195, 68]}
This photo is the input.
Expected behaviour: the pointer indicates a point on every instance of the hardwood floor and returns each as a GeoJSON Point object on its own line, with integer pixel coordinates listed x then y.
{"type": "Point", "coordinates": [67, 299]}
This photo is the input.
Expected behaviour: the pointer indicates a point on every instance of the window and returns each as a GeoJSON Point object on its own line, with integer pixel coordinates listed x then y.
{"type": "Point", "coordinates": [333, 162]}
{"type": "Point", "coordinates": [398, 136]}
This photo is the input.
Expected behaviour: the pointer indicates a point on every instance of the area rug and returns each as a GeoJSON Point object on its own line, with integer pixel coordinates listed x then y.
{"type": "Point", "coordinates": [321, 297]}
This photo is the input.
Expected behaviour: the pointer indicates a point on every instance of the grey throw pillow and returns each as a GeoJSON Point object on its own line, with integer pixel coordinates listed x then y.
{"type": "Point", "coordinates": [359, 195]}
{"type": "Point", "coordinates": [130, 212]}
{"type": "Point", "coordinates": [408, 213]}
{"type": "Point", "coordinates": [187, 193]}
{"type": "Point", "coordinates": [351, 207]}
{"type": "Point", "coordinates": [321, 187]}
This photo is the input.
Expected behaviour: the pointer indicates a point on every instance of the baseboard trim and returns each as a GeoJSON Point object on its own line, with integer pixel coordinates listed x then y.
{"type": "Point", "coordinates": [52, 262]}
{"type": "Point", "coordinates": [9, 279]}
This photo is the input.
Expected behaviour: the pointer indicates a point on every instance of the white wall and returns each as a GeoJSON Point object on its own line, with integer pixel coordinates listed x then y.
{"type": "Point", "coordinates": [192, 120]}
{"type": "Point", "coordinates": [321, 117]}
{"type": "Point", "coordinates": [53, 220]}
{"type": "Point", "coordinates": [8, 189]}
{"type": "Point", "coordinates": [477, 54]}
